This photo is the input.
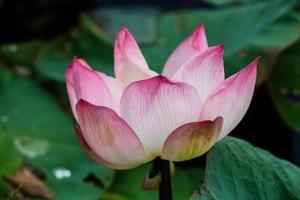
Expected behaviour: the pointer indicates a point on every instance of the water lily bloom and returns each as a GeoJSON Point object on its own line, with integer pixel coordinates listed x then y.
{"type": "Point", "coordinates": [138, 115]}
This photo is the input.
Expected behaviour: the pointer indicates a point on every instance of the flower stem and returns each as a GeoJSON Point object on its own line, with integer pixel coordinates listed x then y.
{"type": "Point", "coordinates": [165, 191]}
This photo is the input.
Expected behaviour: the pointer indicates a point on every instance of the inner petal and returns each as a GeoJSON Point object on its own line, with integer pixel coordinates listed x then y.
{"type": "Point", "coordinates": [156, 106]}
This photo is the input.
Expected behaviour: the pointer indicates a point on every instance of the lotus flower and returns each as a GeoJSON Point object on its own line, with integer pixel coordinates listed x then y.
{"type": "Point", "coordinates": [138, 115]}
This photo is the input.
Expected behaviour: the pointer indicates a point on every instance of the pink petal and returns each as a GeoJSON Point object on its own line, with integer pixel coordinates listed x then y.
{"type": "Point", "coordinates": [231, 98]}
{"type": "Point", "coordinates": [191, 140]}
{"type": "Point", "coordinates": [130, 64]}
{"type": "Point", "coordinates": [70, 89]}
{"type": "Point", "coordinates": [111, 86]}
{"type": "Point", "coordinates": [115, 88]}
{"type": "Point", "coordinates": [155, 107]}
{"type": "Point", "coordinates": [84, 145]}
{"type": "Point", "coordinates": [109, 136]}
{"type": "Point", "coordinates": [204, 71]}
{"type": "Point", "coordinates": [192, 45]}
{"type": "Point", "coordinates": [88, 85]}
{"type": "Point", "coordinates": [82, 62]}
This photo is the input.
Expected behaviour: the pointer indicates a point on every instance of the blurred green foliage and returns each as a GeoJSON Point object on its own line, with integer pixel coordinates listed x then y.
{"type": "Point", "coordinates": [35, 126]}
{"type": "Point", "coordinates": [284, 86]}
{"type": "Point", "coordinates": [86, 41]}
{"type": "Point", "coordinates": [43, 135]}
{"type": "Point", "coordinates": [10, 161]}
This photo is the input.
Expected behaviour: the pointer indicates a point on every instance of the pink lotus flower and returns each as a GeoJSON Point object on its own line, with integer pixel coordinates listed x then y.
{"type": "Point", "coordinates": [140, 115]}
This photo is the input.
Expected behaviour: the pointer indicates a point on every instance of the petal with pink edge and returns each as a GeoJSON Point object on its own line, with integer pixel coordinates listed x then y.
{"type": "Point", "coordinates": [192, 45]}
{"type": "Point", "coordinates": [82, 62]}
{"type": "Point", "coordinates": [204, 71]}
{"type": "Point", "coordinates": [130, 64]}
{"type": "Point", "coordinates": [231, 98]}
{"type": "Point", "coordinates": [155, 107]}
{"type": "Point", "coordinates": [109, 136]}
{"type": "Point", "coordinates": [115, 88]}
{"type": "Point", "coordinates": [70, 89]}
{"type": "Point", "coordinates": [88, 85]}
{"type": "Point", "coordinates": [112, 88]}
{"type": "Point", "coordinates": [84, 145]}
{"type": "Point", "coordinates": [191, 140]}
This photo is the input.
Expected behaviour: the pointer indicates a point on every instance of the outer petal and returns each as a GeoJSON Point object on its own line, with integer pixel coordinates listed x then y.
{"type": "Point", "coordinates": [231, 99]}
{"type": "Point", "coordinates": [70, 89]}
{"type": "Point", "coordinates": [88, 85]}
{"type": "Point", "coordinates": [157, 106]}
{"type": "Point", "coordinates": [194, 44]}
{"type": "Point", "coordinates": [114, 87]}
{"type": "Point", "coordinates": [191, 140]}
{"type": "Point", "coordinates": [109, 136]}
{"type": "Point", "coordinates": [130, 64]}
{"type": "Point", "coordinates": [84, 145]}
{"type": "Point", "coordinates": [205, 71]}
{"type": "Point", "coordinates": [82, 62]}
